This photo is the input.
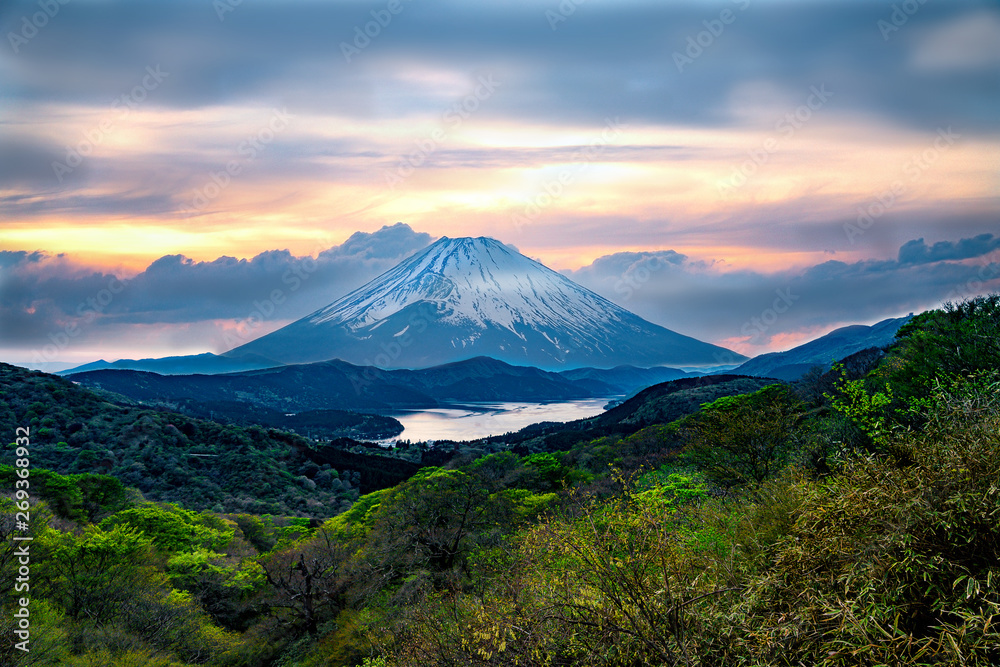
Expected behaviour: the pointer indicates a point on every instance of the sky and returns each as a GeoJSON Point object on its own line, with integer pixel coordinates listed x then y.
{"type": "Point", "coordinates": [753, 173]}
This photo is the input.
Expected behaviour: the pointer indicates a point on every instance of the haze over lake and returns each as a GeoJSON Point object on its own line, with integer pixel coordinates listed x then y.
{"type": "Point", "coordinates": [479, 420]}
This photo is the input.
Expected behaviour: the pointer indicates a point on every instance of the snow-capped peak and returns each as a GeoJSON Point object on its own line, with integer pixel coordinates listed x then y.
{"type": "Point", "coordinates": [473, 281]}
{"type": "Point", "coordinates": [467, 297]}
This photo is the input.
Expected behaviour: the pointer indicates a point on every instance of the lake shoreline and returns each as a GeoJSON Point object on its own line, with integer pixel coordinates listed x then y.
{"type": "Point", "coordinates": [469, 421]}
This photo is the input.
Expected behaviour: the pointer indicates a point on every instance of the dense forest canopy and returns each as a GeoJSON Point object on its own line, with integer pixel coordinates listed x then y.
{"type": "Point", "coordinates": [850, 518]}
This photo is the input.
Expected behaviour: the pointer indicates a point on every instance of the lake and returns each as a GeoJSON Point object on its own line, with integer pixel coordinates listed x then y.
{"type": "Point", "coordinates": [471, 421]}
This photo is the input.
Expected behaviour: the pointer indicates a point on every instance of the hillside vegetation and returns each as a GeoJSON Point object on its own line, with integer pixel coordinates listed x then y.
{"type": "Point", "coordinates": [172, 457]}
{"type": "Point", "coordinates": [852, 518]}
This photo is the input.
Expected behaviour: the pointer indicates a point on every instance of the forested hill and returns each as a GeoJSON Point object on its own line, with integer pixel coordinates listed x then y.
{"type": "Point", "coordinates": [172, 457]}
{"type": "Point", "coordinates": [849, 518]}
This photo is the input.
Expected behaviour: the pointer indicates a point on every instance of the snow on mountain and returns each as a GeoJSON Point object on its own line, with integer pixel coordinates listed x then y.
{"type": "Point", "coordinates": [465, 297]}
{"type": "Point", "coordinates": [483, 284]}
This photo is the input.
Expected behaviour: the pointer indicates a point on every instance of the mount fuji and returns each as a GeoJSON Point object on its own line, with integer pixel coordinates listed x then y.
{"type": "Point", "coordinates": [467, 297]}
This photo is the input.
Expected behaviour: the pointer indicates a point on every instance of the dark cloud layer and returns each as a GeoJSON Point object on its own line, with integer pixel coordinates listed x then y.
{"type": "Point", "coordinates": [700, 300]}
{"type": "Point", "coordinates": [26, 161]}
{"type": "Point", "coordinates": [41, 294]}
{"type": "Point", "coordinates": [604, 59]}
{"type": "Point", "coordinates": [917, 252]}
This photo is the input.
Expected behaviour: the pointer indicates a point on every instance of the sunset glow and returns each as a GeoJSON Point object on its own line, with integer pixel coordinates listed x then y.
{"type": "Point", "coordinates": [574, 143]}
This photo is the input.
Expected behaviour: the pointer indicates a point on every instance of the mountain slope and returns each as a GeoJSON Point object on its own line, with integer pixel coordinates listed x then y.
{"type": "Point", "coordinates": [658, 404]}
{"type": "Point", "coordinates": [823, 351]}
{"type": "Point", "coordinates": [172, 457]}
{"type": "Point", "coordinates": [468, 297]}
{"type": "Point", "coordinates": [343, 386]}
{"type": "Point", "coordinates": [207, 363]}
{"type": "Point", "coordinates": [326, 385]}
{"type": "Point", "coordinates": [626, 379]}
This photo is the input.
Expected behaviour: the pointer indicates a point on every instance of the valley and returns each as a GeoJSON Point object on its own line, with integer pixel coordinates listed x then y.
{"type": "Point", "coordinates": [224, 529]}
{"type": "Point", "coordinates": [547, 333]}
{"type": "Point", "coordinates": [297, 509]}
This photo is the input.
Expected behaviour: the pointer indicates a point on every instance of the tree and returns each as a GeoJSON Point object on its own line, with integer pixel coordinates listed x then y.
{"type": "Point", "coordinates": [430, 524]}
{"type": "Point", "coordinates": [171, 528]}
{"type": "Point", "coordinates": [957, 339]}
{"type": "Point", "coordinates": [305, 582]}
{"type": "Point", "coordinates": [740, 439]}
{"type": "Point", "coordinates": [92, 575]}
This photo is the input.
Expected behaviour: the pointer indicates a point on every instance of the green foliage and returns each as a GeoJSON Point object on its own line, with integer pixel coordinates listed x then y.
{"type": "Point", "coordinates": [551, 472]}
{"type": "Point", "coordinates": [356, 521]}
{"type": "Point", "coordinates": [171, 528]}
{"type": "Point", "coordinates": [865, 409]}
{"type": "Point", "coordinates": [604, 582]}
{"type": "Point", "coordinates": [527, 505]}
{"type": "Point", "coordinates": [77, 497]}
{"type": "Point", "coordinates": [260, 532]}
{"type": "Point", "coordinates": [187, 568]}
{"type": "Point", "coordinates": [667, 487]}
{"type": "Point", "coordinates": [891, 565]}
{"type": "Point", "coordinates": [955, 340]}
{"type": "Point", "coordinates": [743, 439]}
{"type": "Point", "coordinates": [49, 641]}
{"type": "Point", "coordinates": [168, 457]}
{"type": "Point", "coordinates": [431, 523]}
{"type": "Point", "coordinates": [93, 574]}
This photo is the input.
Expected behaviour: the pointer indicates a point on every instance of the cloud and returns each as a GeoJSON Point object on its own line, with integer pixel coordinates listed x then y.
{"type": "Point", "coordinates": [917, 252]}
{"type": "Point", "coordinates": [391, 242]}
{"type": "Point", "coordinates": [356, 121]}
{"type": "Point", "coordinates": [604, 59]}
{"type": "Point", "coordinates": [26, 161]}
{"type": "Point", "coordinates": [12, 258]}
{"type": "Point", "coordinates": [193, 303]}
{"type": "Point", "coordinates": [41, 294]}
{"type": "Point", "coordinates": [710, 303]}
{"type": "Point", "coordinates": [968, 42]}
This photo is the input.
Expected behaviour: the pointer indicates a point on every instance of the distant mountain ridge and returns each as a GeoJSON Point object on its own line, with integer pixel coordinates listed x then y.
{"type": "Point", "coordinates": [206, 363]}
{"type": "Point", "coordinates": [338, 384]}
{"type": "Point", "coordinates": [823, 351]}
{"type": "Point", "coordinates": [468, 297]}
